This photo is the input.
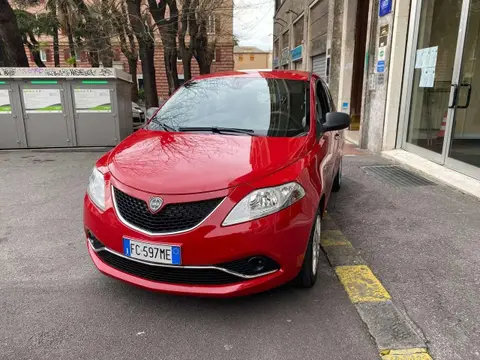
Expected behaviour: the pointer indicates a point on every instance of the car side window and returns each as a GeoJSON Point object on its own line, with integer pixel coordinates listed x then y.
{"type": "Point", "coordinates": [329, 96]}
{"type": "Point", "coordinates": [322, 103]}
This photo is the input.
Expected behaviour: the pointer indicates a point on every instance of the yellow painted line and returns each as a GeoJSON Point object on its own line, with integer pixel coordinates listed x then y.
{"type": "Point", "coordinates": [334, 238]}
{"type": "Point", "coordinates": [407, 354]}
{"type": "Point", "coordinates": [361, 285]}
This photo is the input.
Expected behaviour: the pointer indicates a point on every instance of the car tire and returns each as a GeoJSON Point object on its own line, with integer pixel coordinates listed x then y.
{"type": "Point", "coordinates": [337, 182]}
{"type": "Point", "coordinates": [307, 276]}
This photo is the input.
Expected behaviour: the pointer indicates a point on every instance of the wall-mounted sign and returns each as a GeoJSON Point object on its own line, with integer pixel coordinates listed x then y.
{"type": "Point", "coordinates": [380, 66]}
{"type": "Point", "coordinates": [92, 100]}
{"type": "Point", "coordinates": [381, 53]}
{"type": "Point", "coordinates": [285, 56]}
{"type": "Point", "coordinates": [42, 101]}
{"type": "Point", "coordinates": [275, 62]}
{"type": "Point", "coordinates": [296, 53]}
{"type": "Point", "coordinates": [383, 36]}
{"type": "Point", "coordinates": [384, 7]}
{"type": "Point", "coordinates": [5, 106]}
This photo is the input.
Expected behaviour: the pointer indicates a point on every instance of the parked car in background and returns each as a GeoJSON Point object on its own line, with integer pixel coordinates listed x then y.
{"type": "Point", "coordinates": [138, 115]}
{"type": "Point", "coordinates": [222, 192]}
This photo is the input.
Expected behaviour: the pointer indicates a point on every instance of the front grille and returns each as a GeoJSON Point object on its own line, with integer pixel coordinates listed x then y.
{"type": "Point", "coordinates": [171, 218]}
{"type": "Point", "coordinates": [170, 275]}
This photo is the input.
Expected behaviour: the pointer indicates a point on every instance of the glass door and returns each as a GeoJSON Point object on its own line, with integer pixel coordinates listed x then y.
{"type": "Point", "coordinates": [434, 64]}
{"type": "Point", "coordinates": [464, 140]}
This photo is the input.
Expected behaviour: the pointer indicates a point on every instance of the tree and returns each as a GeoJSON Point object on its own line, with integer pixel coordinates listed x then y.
{"type": "Point", "coordinates": [168, 28]}
{"type": "Point", "coordinates": [126, 36]}
{"type": "Point", "coordinates": [186, 51]}
{"type": "Point", "coordinates": [68, 20]}
{"type": "Point", "coordinates": [13, 51]}
{"type": "Point", "coordinates": [145, 38]}
{"type": "Point", "coordinates": [27, 24]}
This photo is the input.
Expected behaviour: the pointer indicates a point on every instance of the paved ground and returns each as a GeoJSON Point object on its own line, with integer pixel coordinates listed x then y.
{"type": "Point", "coordinates": [55, 305]}
{"type": "Point", "coordinates": [423, 244]}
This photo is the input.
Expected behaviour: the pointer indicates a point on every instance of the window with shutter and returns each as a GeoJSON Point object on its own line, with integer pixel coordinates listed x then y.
{"type": "Point", "coordinates": [211, 25]}
{"type": "Point", "coordinates": [48, 54]}
{"type": "Point", "coordinates": [116, 55]}
{"type": "Point", "coordinates": [218, 55]}
{"type": "Point", "coordinates": [43, 55]}
{"type": "Point", "coordinates": [83, 56]}
{"type": "Point", "coordinates": [66, 54]}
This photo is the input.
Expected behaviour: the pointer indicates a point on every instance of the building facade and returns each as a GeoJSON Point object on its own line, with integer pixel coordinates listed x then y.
{"type": "Point", "coordinates": [220, 28]}
{"type": "Point", "coordinates": [405, 70]}
{"type": "Point", "coordinates": [250, 57]}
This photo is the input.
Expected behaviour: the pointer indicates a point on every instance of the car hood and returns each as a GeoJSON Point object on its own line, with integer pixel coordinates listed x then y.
{"type": "Point", "coordinates": [186, 163]}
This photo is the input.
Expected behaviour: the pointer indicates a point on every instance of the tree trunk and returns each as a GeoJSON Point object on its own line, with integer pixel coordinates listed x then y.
{"type": "Point", "coordinates": [202, 52]}
{"type": "Point", "coordinates": [34, 48]}
{"type": "Point", "coordinates": [56, 48]}
{"type": "Point", "coordinates": [186, 51]}
{"type": "Point", "coordinates": [132, 69]}
{"type": "Point", "coordinates": [71, 44]}
{"type": "Point", "coordinates": [2, 54]}
{"type": "Point", "coordinates": [13, 49]}
{"type": "Point", "coordinates": [147, 50]}
{"type": "Point", "coordinates": [168, 32]}
{"type": "Point", "coordinates": [170, 57]}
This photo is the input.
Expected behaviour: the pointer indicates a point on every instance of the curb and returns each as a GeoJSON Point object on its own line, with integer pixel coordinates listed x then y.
{"type": "Point", "coordinates": [392, 330]}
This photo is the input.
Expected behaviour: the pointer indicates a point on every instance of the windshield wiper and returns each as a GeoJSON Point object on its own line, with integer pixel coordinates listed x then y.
{"type": "Point", "coordinates": [218, 130]}
{"type": "Point", "coordinates": [162, 125]}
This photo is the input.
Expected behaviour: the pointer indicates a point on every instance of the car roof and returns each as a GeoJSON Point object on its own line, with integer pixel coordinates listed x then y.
{"type": "Point", "coordinates": [265, 73]}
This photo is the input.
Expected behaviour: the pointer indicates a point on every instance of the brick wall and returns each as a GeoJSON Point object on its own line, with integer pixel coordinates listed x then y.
{"type": "Point", "coordinates": [223, 62]}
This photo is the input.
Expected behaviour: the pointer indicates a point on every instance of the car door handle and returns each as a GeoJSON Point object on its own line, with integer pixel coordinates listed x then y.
{"type": "Point", "coordinates": [337, 136]}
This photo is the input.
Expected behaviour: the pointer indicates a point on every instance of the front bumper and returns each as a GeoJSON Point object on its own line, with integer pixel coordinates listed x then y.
{"type": "Point", "coordinates": [282, 237]}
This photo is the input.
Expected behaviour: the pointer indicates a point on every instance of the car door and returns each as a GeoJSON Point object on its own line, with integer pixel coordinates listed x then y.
{"type": "Point", "coordinates": [337, 137]}
{"type": "Point", "coordinates": [326, 141]}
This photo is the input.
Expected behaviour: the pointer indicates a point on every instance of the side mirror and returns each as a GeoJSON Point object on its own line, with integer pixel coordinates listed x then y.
{"type": "Point", "coordinates": [150, 112]}
{"type": "Point", "coordinates": [336, 121]}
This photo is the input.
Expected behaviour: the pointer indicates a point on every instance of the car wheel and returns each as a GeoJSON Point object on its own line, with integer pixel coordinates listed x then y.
{"type": "Point", "coordinates": [307, 276]}
{"type": "Point", "coordinates": [337, 182]}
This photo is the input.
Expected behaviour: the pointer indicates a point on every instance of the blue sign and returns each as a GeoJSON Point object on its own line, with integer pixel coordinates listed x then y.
{"type": "Point", "coordinates": [296, 53]}
{"type": "Point", "coordinates": [275, 62]}
{"type": "Point", "coordinates": [381, 66]}
{"type": "Point", "coordinates": [385, 7]}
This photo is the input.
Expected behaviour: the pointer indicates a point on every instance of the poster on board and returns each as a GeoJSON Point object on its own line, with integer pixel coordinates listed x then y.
{"type": "Point", "coordinates": [42, 101]}
{"type": "Point", "coordinates": [92, 100]}
{"type": "Point", "coordinates": [5, 106]}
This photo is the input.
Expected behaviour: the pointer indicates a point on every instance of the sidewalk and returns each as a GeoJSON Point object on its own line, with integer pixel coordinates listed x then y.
{"type": "Point", "coordinates": [423, 244]}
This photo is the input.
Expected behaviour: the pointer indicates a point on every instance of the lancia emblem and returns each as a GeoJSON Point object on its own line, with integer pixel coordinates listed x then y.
{"type": "Point", "coordinates": [154, 204]}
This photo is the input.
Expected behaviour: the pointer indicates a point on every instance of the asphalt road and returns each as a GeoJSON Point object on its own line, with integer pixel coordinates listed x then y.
{"type": "Point", "coordinates": [56, 305]}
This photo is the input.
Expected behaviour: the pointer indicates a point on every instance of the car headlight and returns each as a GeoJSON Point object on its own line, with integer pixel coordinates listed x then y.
{"type": "Point", "coordinates": [96, 189]}
{"type": "Point", "coordinates": [263, 202]}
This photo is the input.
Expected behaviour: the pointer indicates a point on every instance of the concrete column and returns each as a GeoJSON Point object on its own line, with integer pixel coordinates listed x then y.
{"type": "Point", "coordinates": [346, 56]}
{"type": "Point", "coordinates": [335, 20]}
{"type": "Point", "coordinates": [374, 99]}
{"type": "Point", "coordinates": [397, 59]}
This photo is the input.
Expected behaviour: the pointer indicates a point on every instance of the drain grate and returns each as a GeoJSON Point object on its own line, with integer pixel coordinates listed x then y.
{"type": "Point", "coordinates": [397, 176]}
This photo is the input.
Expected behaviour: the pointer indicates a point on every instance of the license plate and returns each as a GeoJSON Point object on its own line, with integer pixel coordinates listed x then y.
{"type": "Point", "coordinates": [161, 254]}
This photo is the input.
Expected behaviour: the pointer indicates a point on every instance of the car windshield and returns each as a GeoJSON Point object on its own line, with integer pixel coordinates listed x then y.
{"type": "Point", "coordinates": [263, 107]}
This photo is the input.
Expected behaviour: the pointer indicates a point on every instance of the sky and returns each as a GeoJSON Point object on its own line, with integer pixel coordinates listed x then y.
{"type": "Point", "coordinates": [253, 22]}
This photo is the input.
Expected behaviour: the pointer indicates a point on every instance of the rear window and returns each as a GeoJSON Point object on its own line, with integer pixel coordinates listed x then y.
{"type": "Point", "coordinates": [269, 107]}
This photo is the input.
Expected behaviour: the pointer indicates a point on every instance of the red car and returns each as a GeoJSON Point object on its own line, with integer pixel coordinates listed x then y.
{"type": "Point", "coordinates": [222, 192]}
